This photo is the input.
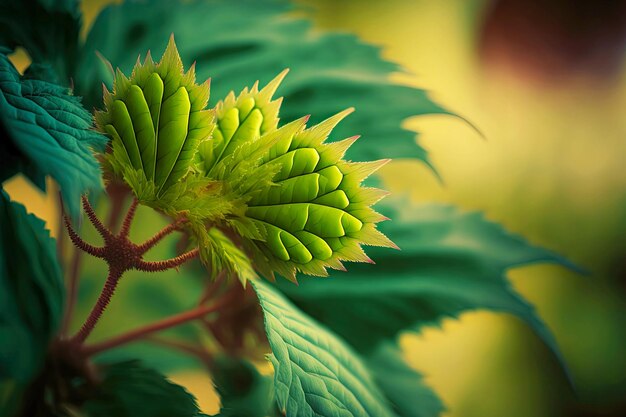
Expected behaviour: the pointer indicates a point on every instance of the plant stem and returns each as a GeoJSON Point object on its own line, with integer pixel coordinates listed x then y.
{"type": "Point", "coordinates": [199, 352]}
{"type": "Point", "coordinates": [102, 303]}
{"type": "Point", "coordinates": [166, 323]}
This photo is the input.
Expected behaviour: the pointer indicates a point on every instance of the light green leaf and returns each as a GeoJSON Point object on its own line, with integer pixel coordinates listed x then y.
{"type": "Point", "coordinates": [51, 130]}
{"type": "Point", "coordinates": [449, 262]}
{"type": "Point", "coordinates": [316, 373]}
{"type": "Point", "coordinates": [238, 43]}
{"type": "Point", "coordinates": [402, 385]}
{"type": "Point", "coordinates": [129, 389]}
{"type": "Point", "coordinates": [31, 292]}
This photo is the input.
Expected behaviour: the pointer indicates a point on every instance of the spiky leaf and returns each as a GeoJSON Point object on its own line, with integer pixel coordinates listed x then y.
{"type": "Point", "coordinates": [156, 119]}
{"type": "Point", "coordinates": [50, 132]}
{"type": "Point", "coordinates": [314, 214]}
{"type": "Point", "coordinates": [316, 373]}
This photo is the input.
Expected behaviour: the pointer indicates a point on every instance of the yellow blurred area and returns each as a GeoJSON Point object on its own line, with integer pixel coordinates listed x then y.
{"type": "Point", "coordinates": [550, 166]}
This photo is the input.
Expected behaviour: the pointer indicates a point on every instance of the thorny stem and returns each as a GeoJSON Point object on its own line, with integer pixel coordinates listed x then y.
{"type": "Point", "coordinates": [166, 323]}
{"type": "Point", "coordinates": [93, 218]}
{"type": "Point", "coordinates": [130, 215]}
{"type": "Point", "coordinates": [166, 231]}
{"type": "Point", "coordinates": [121, 255]}
{"type": "Point", "coordinates": [100, 306]}
{"type": "Point", "coordinates": [80, 243]}
{"type": "Point", "coordinates": [156, 266]}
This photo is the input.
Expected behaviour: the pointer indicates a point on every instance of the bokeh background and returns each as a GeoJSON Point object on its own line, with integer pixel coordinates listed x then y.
{"type": "Point", "coordinates": [544, 84]}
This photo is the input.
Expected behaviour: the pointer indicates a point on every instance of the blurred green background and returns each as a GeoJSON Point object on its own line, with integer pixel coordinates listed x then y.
{"type": "Point", "coordinates": [544, 84]}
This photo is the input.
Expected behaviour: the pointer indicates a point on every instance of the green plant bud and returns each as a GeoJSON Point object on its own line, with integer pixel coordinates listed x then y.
{"type": "Point", "coordinates": [156, 120]}
{"type": "Point", "coordinates": [239, 119]}
{"type": "Point", "coordinates": [317, 214]}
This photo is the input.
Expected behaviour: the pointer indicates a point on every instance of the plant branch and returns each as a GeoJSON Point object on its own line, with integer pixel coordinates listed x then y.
{"type": "Point", "coordinates": [121, 255]}
{"type": "Point", "coordinates": [128, 220]}
{"type": "Point", "coordinates": [101, 304]}
{"type": "Point", "coordinates": [166, 323]}
{"type": "Point", "coordinates": [201, 353]}
{"type": "Point", "coordinates": [155, 266]}
{"type": "Point", "coordinates": [166, 231]}
{"type": "Point", "coordinates": [93, 218]}
{"type": "Point", "coordinates": [80, 243]}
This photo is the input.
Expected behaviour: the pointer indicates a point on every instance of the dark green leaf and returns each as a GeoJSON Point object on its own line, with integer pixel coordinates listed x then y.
{"type": "Point", "coordinates": [131, 390]}
{"type": "Point", "coordinates": [237, 43]}
{"type": "Point", "coordinates": [402, 385]}
{"type": "Point", "coordinates": [48, 29]}
{"type": "Point", "coordinates": [449, 262]}
{"type": "Point", "coordinates": [31, 291]}
{"type": "Point", "coordinates": [316, 373]}
{"type": "Point", "coordinates": [49, 132]}
{"type": "Point", "coordinates": [243, 390]}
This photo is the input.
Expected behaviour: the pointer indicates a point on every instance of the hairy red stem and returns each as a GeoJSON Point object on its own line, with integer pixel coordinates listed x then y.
{"type": "Point", "coordinates": [155, 266]}
{"type": "Point", "coordinates": [80, 243]}
{"type": "Point", "coordinates": [163, 233]}
{"type": "Point", "coordinates": [128, 220]}
{"type": "Point", "coordinates": [93, 218]}
{"type": "Point", "coordinates": [167, 323]}
{"type": "Point", "coordinates": [101, 304]}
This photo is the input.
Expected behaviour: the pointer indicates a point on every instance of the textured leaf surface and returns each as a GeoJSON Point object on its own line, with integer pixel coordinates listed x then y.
{"type": "Point", "coordinates": [402, 385]}
{"type": "Point", "coordinates": [156, 119]}
{"type": "Point", "coordinates": [450, 262]}
{"type": "Point", "coordinates": [237, 43]}
{"type": "Point", "coordinates": [316, 373]}
{"type": "Point", "coordinates": [52, 130]}
{"type": "Point", "coordinates": [129, 389]}
{"type": "Point", "coordinates": [31, 291]}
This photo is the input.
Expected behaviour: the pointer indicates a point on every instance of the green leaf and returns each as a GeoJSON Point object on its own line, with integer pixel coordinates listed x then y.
{"type": "Point", "coordinates": [316, 373]}
{"type": "Point", "coordinates": [129, 389]}
{"type": "Point", "coordinates": [402, 385]}
{"type": "Point", "coordinates": [31, 291]}
{"type": "Point", "coordinates": [48, 29]}
{"type": "Point", "coordinates": [238, 43]}
{"type": "Point", "coordinates": [449, 262]}
{"type": "Point", "coordinates": [243, 390]}
{"type": "Point", "coordinates": [50, 129]}
{"type": "Point", "coordinates": [156, 119]}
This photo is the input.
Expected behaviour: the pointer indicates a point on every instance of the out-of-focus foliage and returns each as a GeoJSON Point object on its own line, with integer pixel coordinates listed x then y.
{"type": "Point", "coordinates": [450, 262]}
{"type": "Point", "coordinates": [31, 298]}
{"type": "Point", "coordinates": [315, 370]}
{"type": "Point", "coordinates": [402, 385]}
{"type": "Point", "coordinates": [130, 389]}
{"type": "Point", "coordinates": [238, 44]}
{"type": "Point", "coordinates": [48, 30]}
{"type": "Point", "coordinates": [242, 389]}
